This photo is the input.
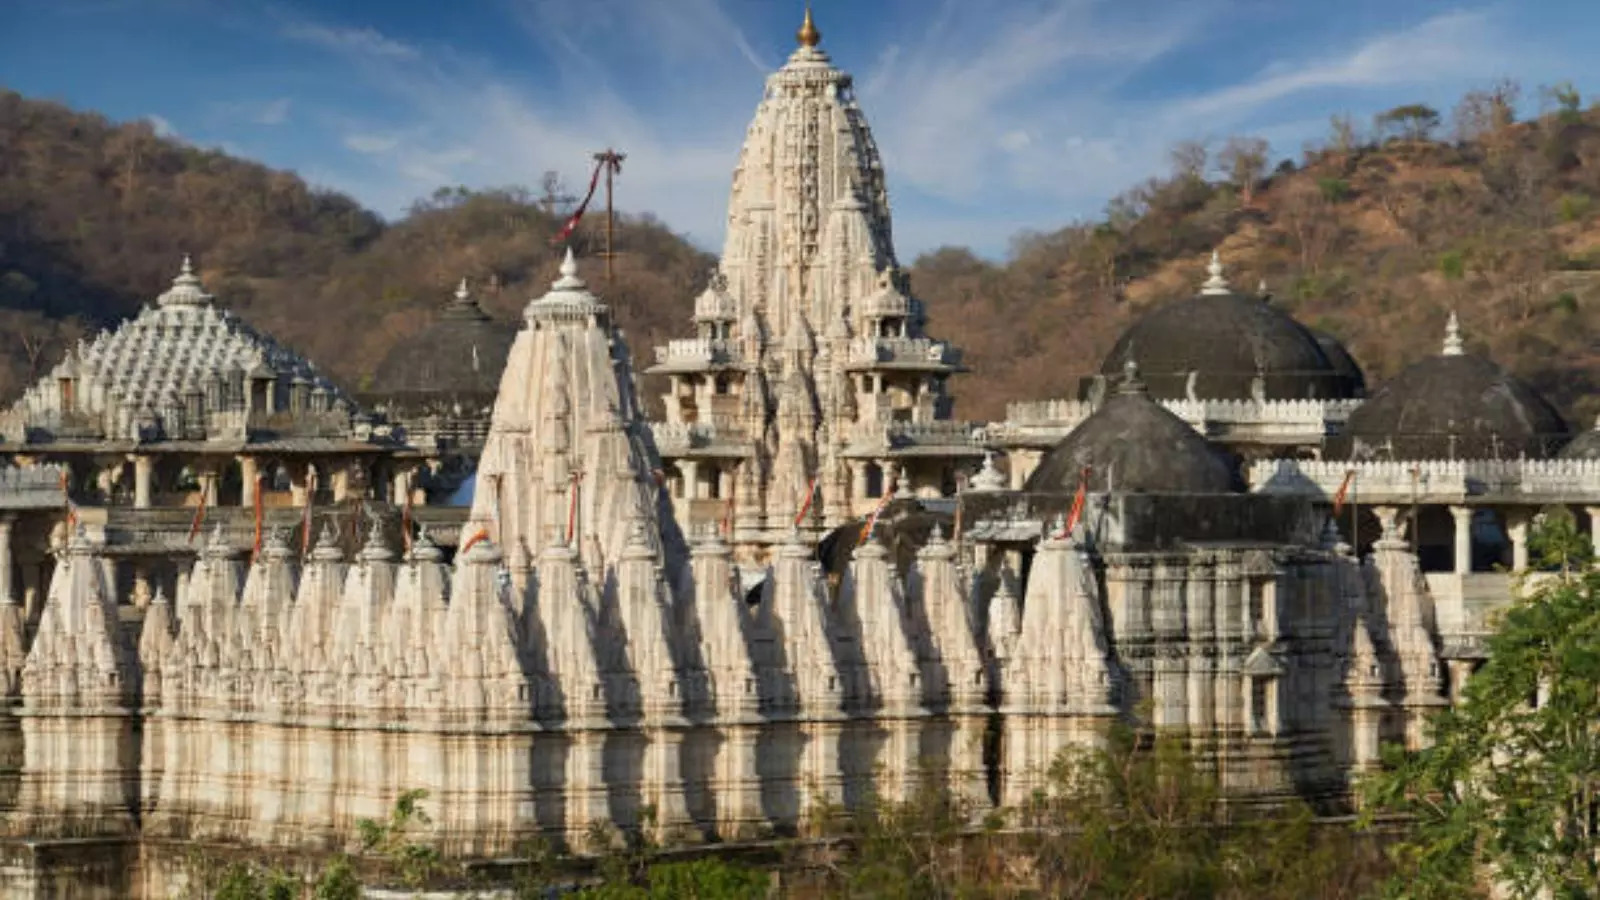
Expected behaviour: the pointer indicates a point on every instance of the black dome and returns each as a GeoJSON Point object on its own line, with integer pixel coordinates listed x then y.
{"type": "Point", "coordinates": [1584, 446]}
{"type": "Point", "coordinates": [1134, 445]}
{"type": "Point", "coordinates": [1452, 406]}
{"type": "Point", "coordinates": [1343, 363]}
{"type": "Point", "coordinates": [1224, 341]}
{"type": "Point", "coordinates": [460, 356]}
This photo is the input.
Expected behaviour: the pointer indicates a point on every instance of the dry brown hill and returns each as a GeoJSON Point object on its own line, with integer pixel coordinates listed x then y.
{"type": "Point", "coordinates": [1374, 240]}
{"type": "Point", "coordinates": [95, 216]}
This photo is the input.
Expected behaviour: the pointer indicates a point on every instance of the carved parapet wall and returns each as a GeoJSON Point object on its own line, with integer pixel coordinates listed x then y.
{"type": "Point", "coordinates": [1518, 481]}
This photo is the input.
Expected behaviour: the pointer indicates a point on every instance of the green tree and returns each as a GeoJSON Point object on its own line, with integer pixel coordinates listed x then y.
{"type": "Point", "coordinates": [414, 861]}
{"type": "Point", "coordinates": [1413, 121]}
{"type": "Point", "coordinates": [1509, 792]}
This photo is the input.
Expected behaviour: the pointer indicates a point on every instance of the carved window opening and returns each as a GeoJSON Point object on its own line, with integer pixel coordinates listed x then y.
{"type": "Point", "coordinates": [874, 480]}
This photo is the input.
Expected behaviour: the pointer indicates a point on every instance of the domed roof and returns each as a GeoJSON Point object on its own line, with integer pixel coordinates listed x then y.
{"type": "Point", "coordinates": [1343, 363]}
{"type": "Point", "coordinates": [460, 355]}
{"type": "Point", "coordinates": [1220, 345]}
{"type": "Point", "coordinates": [1584, 446]}
{"type": "Point", "coordinates": [1133, 445]}
{"type": "Point", "coordinates": [1456, 405]}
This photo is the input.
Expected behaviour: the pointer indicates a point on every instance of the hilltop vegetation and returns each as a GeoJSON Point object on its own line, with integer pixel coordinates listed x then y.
{"type": "Point", "coordinates": [1373, 234]}
{"type": "Point", "coordinates": [95, 216]}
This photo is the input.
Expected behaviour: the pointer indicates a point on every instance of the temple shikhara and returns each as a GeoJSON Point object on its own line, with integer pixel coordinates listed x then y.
{"type": "Point", "coordinates": [237, 609]}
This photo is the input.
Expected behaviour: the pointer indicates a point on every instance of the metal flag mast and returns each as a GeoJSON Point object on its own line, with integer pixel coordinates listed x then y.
{"type": "Point", "coordinates": [611, 161]}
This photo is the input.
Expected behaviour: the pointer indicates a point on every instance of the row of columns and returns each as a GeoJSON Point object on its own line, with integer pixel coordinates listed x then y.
{"type": "Point", "coordinates": [249, 468]}
{"type": "Point", "coordinates": [1516, 529]}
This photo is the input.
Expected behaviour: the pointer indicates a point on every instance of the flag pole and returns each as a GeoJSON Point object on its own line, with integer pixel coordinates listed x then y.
{"type": "Point", "coordinates": [611, 161]}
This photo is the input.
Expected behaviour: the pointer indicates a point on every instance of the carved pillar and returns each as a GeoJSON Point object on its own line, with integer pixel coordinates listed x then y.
{"type": "Point", "coordinates": [858, 481]}
{"type": "Point", "coordinates": [400, 486]}
{"type": "Point", "coordinates": [691, 479]}
{"type": "Point", "coordinates": [249, 469]}
{"type": "Point", "coordinates": [1463, 552]}
{"type": "Point", "coordinates": [1594, 529]}
{"type": "Point", "coordinates": [340, 482]}
{"type": "Point", "coordinates": [300, 483]}
{"type": "Point", "coordinates": [6, 522]}
{"type": "Point", "coordinates": [143, 477]}
{"type": "Point", "coordinates": [1517, 529]}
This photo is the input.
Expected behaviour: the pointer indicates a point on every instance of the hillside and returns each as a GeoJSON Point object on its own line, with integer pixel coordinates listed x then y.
{"type": "Point", "coordinates": [1372, 237]}
{"type": "Point", "coordinates": [95, 216]}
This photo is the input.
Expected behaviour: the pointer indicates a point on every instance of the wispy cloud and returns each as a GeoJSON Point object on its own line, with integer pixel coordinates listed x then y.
{"type": "Point", "coordinates": [255, 112]}
{"type": "Point", "coordinates": [356, 41]}
{"type": "Point", "coordinates": [162, 126]}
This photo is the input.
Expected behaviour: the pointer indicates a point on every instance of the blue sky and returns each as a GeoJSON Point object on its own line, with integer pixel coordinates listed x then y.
{"type": "Point", "coordinates": [993, 116]}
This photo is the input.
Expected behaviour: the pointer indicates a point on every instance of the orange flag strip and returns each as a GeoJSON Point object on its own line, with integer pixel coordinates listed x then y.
{"type": "Point", "coordinates": [572, 506]}
{"type": "Point", "coordinates": [481, 534]}
{"type": "Point", "coordinates": [255, 552]}
{"type": "Point", "coordinates": [1344, 490]}
{"type": "Point", "coordinates": [72, 508]}
{"type": "Point", "coordinates": [872, 521]}
{"type": "Point", "coordinates": [199, 514]}
{"type": "Point", "coordinates": [1078, 499]}
{"type": "Point", "coordinates": [805, 506]}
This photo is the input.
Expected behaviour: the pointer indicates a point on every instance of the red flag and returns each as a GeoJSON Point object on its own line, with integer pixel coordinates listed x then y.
{"type": "Point", "coordinates": [805, 506]}
{"type": "Point", "coordinates": [572, 506]}
{"type": "Point", "coordinates": [305, 517]}
{"type": "Point", "coordinates": [577, 214]}
{"type": "Point", "coordinates": [199, 514]}
{"type": "Point", "coordinates": [872, 521]}
{"type": "Point", "coordinates": [255, 553]}
{"type": "Point", "coordinates": [1344, 489]}
{"type": "Point", "coordinates": [1077, 503]}
{"type": "Point", "coordinates": [405, 518]}
{"type": "Point", "coordinates": [72, 508]}
{"type": "Point", "coordinates": [482, 534]}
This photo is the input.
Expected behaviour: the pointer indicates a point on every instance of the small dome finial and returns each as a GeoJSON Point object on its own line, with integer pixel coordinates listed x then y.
{"type": "Point", "coordinates": [1452, 336]}
{"type": "Point", "coordinates": [808, 35]}
{"type": "Point", "coordinates": [462, 294]}
{"type": "Point", "coordinates": [1215, 284]}
{"type": "Point", "coordinates": [188, 265]}
{"type": "Point", "coordinates": [1131, 382]}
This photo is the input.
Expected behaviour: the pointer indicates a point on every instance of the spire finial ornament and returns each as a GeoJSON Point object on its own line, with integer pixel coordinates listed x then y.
{"type": "Point", "coordinates": [1452, 336]}
{"type": "Point", "coordinates": [188, 266]}
{"type": "Point", "coordinates": [1215, 284]}
{"type": "Point", "coordinates": [808, 35]}
{"type": "Point", "coordinates": [462, 294]}
{"type": "Point", "coordinates": [1131, 382]}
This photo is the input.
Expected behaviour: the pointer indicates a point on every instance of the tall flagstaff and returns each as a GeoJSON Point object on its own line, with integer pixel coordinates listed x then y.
{"type": "Point", "coordinates": [610, 161]}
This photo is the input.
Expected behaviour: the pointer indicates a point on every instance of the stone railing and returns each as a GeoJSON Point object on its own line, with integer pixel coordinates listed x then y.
{"type": "Point", "coordinates": [698, 351]}
{"type": "Point", "coordinates": [32, 487]}
{"type": "Point", "coordinates": [869, 350]}
{"type": "Point", "coordinates": [895, 435]}
{"type": "Point", "coordinates": [1308, 413]}
{"type": "Point", "coordinates": [674, 438]}
{"type": "Point", "coordinates": [1530, 480]}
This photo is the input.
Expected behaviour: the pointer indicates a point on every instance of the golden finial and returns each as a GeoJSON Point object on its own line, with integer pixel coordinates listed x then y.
{"type": "Point", "coordinates": [808, 35]}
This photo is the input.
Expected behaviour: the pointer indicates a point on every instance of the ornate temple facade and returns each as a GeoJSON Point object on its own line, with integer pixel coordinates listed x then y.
{"type": "Point", "coordinates": [810, 387]}
{"type": "Point", "coordinates": [1225, 539]}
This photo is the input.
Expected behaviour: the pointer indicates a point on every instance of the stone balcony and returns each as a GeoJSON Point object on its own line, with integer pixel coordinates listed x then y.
{"type": "Point", "coordinates": [675, 439]}
{"type": "Point", "coordinates": [902, 353]}
{"type": "Point", "coordinates": [33, 487]}
{"type": "Point", "coordinates": [696, 354]}
{"type": "Point", "coordinates": [938, 438]}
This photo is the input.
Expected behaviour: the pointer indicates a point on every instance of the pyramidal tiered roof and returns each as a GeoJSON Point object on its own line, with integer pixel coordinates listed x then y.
{"type": "Point", "coordinates": [164, 374]}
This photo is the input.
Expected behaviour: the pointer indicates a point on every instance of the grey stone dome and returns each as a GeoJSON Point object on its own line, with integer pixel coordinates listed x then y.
{"type": "Point", "coordinates": [1343, 363]}
{"type": "Point", "coordinates": [1132, 444]}
{"type": "Point", "coordinates": [1455, 405]}
{"type": "Point", "coordinates": [1584, 446]}
{"type": "Point", "coordinates": [1223, 341]}
{"type": "Point", "coordinates": [460, 356]}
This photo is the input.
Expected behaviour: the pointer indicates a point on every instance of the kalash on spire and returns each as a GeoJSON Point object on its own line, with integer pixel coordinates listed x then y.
{"type": "Point", "coordinates": [810, 390]}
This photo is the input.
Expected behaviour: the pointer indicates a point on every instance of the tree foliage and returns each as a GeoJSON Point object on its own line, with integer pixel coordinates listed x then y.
{"type": "Point", "coordinates": [1508, 795]}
